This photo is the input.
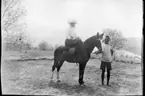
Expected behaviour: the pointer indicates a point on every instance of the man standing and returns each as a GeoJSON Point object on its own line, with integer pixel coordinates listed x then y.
{"type": "Point", "coordinates": [107, 58]}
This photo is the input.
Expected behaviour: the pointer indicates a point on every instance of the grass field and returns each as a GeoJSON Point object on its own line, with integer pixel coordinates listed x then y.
{"type": "Point", "coordinates": [33, 77]}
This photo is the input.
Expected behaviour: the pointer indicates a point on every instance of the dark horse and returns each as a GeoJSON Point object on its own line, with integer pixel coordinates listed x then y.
{"type": "Point", "coordinates": [60, 55]}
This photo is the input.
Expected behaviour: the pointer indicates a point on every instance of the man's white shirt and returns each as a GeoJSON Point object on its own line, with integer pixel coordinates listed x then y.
{"type": "Point", "coordinates": [106, 53]}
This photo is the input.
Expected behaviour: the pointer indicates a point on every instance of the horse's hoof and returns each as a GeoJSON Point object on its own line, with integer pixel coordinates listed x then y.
{"type": "Point", "coordinates": [58, 81]}
{"type": "Point", "coordinates": [51, 81]}
{"type": "Point", "coordinates": [82, 85]}
{"type": "Point", "coordinates": [81, 82]}
{"type": "Point", "coordinates": [109, 85]}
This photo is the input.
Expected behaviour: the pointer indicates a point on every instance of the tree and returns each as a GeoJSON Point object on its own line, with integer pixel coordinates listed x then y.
{"type": "Point", "coordinates": [24, 41]}
{"type": "Point", "coordinates": [117, 39]}
{"type": "Point", "coordinates": [11, 13]}
{"type": "Point", "coordinates": [13, 30]}
{"type": "Point", "coordinates": [28, 43]}
{"type": "Point", "coordinates": [43, 46]}
{"type": "Point", "coordinates": [18, 41]}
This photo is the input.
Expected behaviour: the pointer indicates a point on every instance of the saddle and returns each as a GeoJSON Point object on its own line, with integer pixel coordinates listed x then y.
{"type": "Point", "coordinates": [70, 50]}
{"type": "Point", "coordinates": [74, 48]}
{"type": "Point", "coordinates": [71, 44]}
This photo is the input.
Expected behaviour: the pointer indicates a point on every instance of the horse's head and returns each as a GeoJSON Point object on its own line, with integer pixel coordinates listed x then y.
{"type": "Point", "coordinates": [94, 41]}
{"type": "Point", "coordinates": [97, 40]}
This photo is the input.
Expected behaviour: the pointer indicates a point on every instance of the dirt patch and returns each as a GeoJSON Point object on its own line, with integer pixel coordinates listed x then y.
{"type": "Point", "coordinates": [33, 78]}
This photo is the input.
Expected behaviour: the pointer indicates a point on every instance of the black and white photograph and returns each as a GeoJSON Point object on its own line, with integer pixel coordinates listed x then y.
{"type": "Point", "coordinates": [72, 47]}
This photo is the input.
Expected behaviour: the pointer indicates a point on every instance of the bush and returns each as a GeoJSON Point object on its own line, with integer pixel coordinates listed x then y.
{"type": "Point", "coordinates": [44, 46]}
{"type": "Point", "coordinates": [117, 39]}
{"type": "Point", "coordinates": [14, 42]}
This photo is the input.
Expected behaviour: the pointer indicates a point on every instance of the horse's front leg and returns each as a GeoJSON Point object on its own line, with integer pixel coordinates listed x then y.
{"type": "Point", "coordinates": [81, 72]}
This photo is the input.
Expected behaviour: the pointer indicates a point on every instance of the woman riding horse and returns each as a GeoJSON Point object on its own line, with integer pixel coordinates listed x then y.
{"type": "Point", "coordinates": [73, 42]}
{"type": "Point", "coordinates": [61, 54]}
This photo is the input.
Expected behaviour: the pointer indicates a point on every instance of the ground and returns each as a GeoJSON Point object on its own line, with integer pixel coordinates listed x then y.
{"type": "Point", "coordinates": [33, 78]}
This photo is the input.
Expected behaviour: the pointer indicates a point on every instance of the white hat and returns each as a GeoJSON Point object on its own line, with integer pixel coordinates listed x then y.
{"type": "Point", "coordinates": [72, 21]}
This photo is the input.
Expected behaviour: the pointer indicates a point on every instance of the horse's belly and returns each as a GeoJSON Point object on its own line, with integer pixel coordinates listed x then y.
{"type": "Point", "coordinates": [71, 61]}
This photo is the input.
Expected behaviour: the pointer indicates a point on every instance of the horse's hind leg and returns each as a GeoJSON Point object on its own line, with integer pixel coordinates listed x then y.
{"type": "Point", "coordinates": [53, 68]}
{"type": "Point", "coordinates": [58, 69]}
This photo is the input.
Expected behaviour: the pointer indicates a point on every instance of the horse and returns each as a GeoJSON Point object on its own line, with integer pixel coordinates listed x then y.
{"type": "Point", "coordinates": [88, 45]}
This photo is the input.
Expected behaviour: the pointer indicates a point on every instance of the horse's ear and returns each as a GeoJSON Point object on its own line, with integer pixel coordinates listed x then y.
{"type": "Point", "coordinates": [101, 36]}
{"type": "Point", "coordinates": [97, 33]}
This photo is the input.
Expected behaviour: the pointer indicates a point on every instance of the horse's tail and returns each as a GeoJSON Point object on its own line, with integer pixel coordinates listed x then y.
{"type": "Point", "coordinates": [55, 59]}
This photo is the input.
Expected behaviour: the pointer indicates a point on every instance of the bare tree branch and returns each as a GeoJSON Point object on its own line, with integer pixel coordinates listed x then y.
{"type": "Point", "coordinates": [14, 4]}
{"type": "Point", "coordinates": [13, 18]}
{"type": "Point", "coordinates": [7, 8]}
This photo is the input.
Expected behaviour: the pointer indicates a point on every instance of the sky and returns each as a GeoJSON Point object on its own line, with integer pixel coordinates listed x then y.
{"type": "Point", "coordinates": [47, 19]}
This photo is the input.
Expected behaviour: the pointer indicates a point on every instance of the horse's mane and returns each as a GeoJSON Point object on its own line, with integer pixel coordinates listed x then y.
{"type": "Point", "coordinates": [88, 43]}
{"type": "Point", "coordinates": [89, 39]}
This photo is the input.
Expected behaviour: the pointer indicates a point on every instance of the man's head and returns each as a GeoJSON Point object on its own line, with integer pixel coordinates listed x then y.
{"type": "Point", "coordinates": [72, 23]}
{"type": "Point", "coordinates": [107, 39]}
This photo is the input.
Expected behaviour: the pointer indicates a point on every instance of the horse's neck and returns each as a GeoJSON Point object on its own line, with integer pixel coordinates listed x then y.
{"type": "Point", "coordinates": [89, 46]}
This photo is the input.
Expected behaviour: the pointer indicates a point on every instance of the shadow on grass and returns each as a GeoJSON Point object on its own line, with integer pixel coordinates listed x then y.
{"type": "Point", "coordinates": [70, 89]}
